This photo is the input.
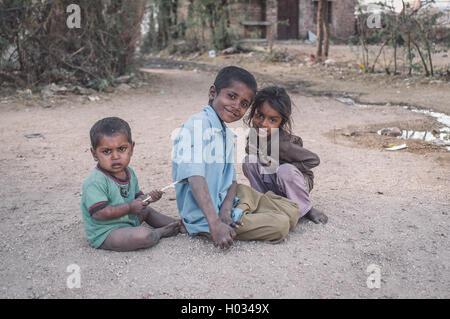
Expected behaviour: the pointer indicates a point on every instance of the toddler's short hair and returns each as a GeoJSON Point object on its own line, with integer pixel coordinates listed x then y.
{"type": "Point", "coordinates": [107, 127]}
{"type": "Point", "coordinates": [233, 73]}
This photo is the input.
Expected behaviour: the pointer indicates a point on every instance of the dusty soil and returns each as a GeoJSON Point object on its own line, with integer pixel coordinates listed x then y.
{"type": "Point", "coordinates": [344, 75]}
{"type": "Point", "coordinates": [290, 66]}
{"type": "Point", "coordinates": [385, 208]}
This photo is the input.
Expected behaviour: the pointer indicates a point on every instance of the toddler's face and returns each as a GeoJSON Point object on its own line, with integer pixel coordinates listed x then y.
{"type": "Point", "coordinates": [266, 119]}
{"type": "Point", "coordinates": [113, 153]}
{"type": "Point", "coordinates": [232, 102]}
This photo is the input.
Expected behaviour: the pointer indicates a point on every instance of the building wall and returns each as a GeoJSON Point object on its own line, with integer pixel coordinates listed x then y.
{"type": "Point", "coordinates": [342, 18]}
{"type": "Point", "coordinates": [306, 18]}
{"type": "Point", "coordinates": [342, 24]}
{"type": "Point", "coordinates": [251, 10]}
{"type": "Point", "coordinates": [272, 16]}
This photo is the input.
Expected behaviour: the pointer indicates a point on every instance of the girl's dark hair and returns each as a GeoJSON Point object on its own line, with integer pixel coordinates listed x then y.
{"type": "Point", "coordinates": [108, 127]}
{"type": "Point", "coordinates": [279, 100]}
{"type": "Point", "coordinates": [229, 74]}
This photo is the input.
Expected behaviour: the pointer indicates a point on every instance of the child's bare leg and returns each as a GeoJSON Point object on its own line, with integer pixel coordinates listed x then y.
{"type": "Point", "coordinates": [134, 238]}
{"type": "Point", "coordinates": [292, 183]}
{"type": "Point", "coordinates": [156, 219]}
{"type": "Point", "coordinates": [171, 229]}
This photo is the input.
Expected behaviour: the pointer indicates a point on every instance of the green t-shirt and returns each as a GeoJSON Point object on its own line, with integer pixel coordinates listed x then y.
{"type": "Point", "coordinates": [101, 189]}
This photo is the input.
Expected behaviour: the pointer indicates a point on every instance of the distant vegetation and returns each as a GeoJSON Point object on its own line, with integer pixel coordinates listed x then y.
{"type": "Point", "coordinates": [39, 46]}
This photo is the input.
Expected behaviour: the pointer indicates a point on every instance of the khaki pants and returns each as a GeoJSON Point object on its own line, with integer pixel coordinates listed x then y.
{"type": "Point", "coordinates": [267, 217]}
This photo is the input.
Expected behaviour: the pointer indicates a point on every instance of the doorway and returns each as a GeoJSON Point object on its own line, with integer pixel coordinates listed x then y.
{"type": "Point", "coordinates": [288, 16]}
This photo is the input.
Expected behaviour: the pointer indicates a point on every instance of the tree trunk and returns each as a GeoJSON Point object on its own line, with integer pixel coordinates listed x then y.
{"type": "Point", "coordinates": [131, 19]}
{"type": "Point", "coordinates": [319, 50]}
{"type": "Point", "coordinates": [394, 44]}
{"type": "Point", "coordinates": [163, 22]}
{"type": "Point", "coordinates": [409, 54]}
{"type": "Point", "coordinates": [422, 58]}
{"type": "Point", "coordinates": [378, 55]}
{"type": "Point", "coordinates": [430, 59]}
{"type": "Point", "coordinates": [174, 20]}
{"type": "Point", "coordinates": [362, 40]}
{"type": "Point", "coordinates": [326, 30]}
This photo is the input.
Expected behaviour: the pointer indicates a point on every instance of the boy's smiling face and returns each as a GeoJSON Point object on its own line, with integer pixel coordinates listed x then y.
{"type": "Point", "coordinates": [232, 102]}
{"type": "Point", "coordinates": [113, 153]}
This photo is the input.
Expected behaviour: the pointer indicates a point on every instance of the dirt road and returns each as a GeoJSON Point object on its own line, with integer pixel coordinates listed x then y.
{"type": "Point", "coordinates": [388, 209]}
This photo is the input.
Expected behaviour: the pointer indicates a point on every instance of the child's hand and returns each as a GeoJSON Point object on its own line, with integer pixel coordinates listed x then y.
{"type": "Point", "coordinates": [137, 206]}
{"type": "Point", "coordinates": [222, 234]}
{"type": "Point", "coordinates": [225, 217]}
{"type": "Point", "coordinates": [153, 196]}
{"type": "Point", "coordinates": [264, 160]}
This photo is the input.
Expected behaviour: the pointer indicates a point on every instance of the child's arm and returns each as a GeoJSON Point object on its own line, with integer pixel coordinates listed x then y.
{"type": "Point", "coordinates": [299, 156]}
{"type": "Point", "coordinates": [227, 206]}
{"type": "Point", "coordinates": [221, 233]}
{"type": "Point", "coordinates": [136, 206]}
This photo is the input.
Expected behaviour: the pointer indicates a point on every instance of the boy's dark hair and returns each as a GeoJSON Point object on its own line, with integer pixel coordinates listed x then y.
{"type": "Point", "coordinates": [233, 73]}
{"type": "Point", "coordinates": [108, 127]}
{"type": "Point", "coordinates": [279, 100]}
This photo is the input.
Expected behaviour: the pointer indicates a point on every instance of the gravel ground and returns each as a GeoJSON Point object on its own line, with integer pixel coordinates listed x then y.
{"type": "Point", "coordinates": [385, 209]}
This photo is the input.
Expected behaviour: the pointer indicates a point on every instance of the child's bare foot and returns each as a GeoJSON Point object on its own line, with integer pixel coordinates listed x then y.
{"type": "Point", "coordinates": [183, 229]}
{"type": "Point", "coordinates": [170, 230]}
{"type": "Point", "coordinates": [316, 216]}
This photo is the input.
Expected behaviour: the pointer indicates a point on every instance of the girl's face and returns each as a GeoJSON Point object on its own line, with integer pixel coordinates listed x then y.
{"type": "Point", "coordinates": [265, 119]}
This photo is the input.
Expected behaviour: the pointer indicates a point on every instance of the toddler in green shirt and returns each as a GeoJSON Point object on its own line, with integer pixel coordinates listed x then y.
{"type": "Point", "coordinates": [112, 204]}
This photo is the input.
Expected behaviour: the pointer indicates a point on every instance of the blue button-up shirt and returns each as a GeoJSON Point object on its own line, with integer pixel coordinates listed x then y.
{"type": "Point", "coordinates": [204, 146]}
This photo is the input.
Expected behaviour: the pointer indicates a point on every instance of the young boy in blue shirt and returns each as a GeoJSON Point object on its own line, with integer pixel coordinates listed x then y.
{"type": "Point", "coordinates": [112, 204]}
{"type": "Point", "coordinates": [208, 197]}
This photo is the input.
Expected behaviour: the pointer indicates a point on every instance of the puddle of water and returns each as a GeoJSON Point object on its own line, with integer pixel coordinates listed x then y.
{"type": "Point", "coordinates": [440, 117]}
{"type": "Point", "coordinates": [442, 137]}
